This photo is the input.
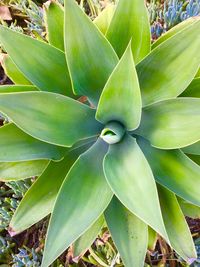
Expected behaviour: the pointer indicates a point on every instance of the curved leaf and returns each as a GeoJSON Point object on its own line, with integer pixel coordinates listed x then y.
{"type": "Point", "coordinates": [176, 225]}
{"type": "Point", "coordinates": [139, 195]}
{"type": "Point", "coordinates": [57, 119]}
{"type": "Point", "coordinates": [39, 200]}
{"type": "Point", "coordinates": [18, 146]}
{"type": "Point", "coordinates": [12, 171]}
{"type": "Point", "coordinates": [157, 71]}
{"type": "Point", "coordinates": [17, 88]}
{"type": "Point", "coordinates": [172, 123]}
{"type": "Point", "coordinates": [189, 209]}
{"type": "Point", "coordinates": [104, 18]}
{"type": "Point", "coordinates": [44, 65]}
{"type": "Point", "coordinates": [175, 171]}
{"type": "Point", "coordinates": [130, 21]}
{"type": "Point", "coordinates": [123, 90]}
{"type": "Point", "coordinates": [82, 198]}
{"type": "Point", "coordinates": [54, 20]}
{"type": "Point", "coordinates": [193, 149]}
{"type": "Point", "coordinates": [83, 41]}
{"type": "Point", "coordinates": [195, 158]}
{"type": "Point", "coordinates": [193, 90]}
{"type": "Point", "coordinates": [85, 241]}
{"type": "Point", "coordinates": [129, 234]}
{"type": "Point", "coordinates": [173, 31]}
{"type": "Point", "coordinates": [12, 71]}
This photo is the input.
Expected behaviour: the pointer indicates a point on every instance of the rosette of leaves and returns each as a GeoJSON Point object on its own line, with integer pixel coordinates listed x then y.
{"type": "Point", "coordinates": [119, 157]}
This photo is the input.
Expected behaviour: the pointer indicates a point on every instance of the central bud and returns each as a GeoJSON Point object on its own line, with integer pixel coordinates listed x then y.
{"type": "Point", "coordinates": [113, 132]}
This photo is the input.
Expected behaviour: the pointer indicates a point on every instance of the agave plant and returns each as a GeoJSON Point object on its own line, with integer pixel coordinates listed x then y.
{"type": "Point", "coordinates": [110, 125]}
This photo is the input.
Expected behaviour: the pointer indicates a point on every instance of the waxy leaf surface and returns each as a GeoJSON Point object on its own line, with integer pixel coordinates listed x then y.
{"type": "Point", "coordinates": [176, 225]}
{"type": "Point", "coordinates": [11, 171]}
{"type": "Point", "coordinates": [189, 209]}
{"type": "Point", "coordinates": [192, 149]}
{"type": "Point", "coordinates": [193, 90]}
{"type": "Point", "coordinates": [152, 239]}
{"type": "Point", "coordinates": [175, 171]}
{"type": "Point", "coordinates": [123, 90]}
{"type": "Point", "coordinates": [17, 88]}
{"type": "Point", "coordinates": [18, 146]}
{"type": "Point", "coordinates": [82, 198]}
{"type": "Point", "coordinates": [161, 72]}
{"type": "Point", "coordinates": [129, 234]}
{"type": "Point", "coordinates": [44, 65]}
{"type": "Point", "coordinates": [172, 123]}
{"type": "Point", "coordinates": [130, 21]}
{"type": "Point", "coordinates": [133, 183]}
{"type": "Point", "coordinates": [57, 119]}
{"type": "Point", "coordinates": [54, 20]}
{"type": "Point", "coordinates": [39, 200]}
{"type": "Point", "coordinates": [90, 57]}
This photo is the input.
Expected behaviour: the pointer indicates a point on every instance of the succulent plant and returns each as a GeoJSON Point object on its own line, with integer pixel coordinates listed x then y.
{"type": "Point", "coordinates": [105, 121]}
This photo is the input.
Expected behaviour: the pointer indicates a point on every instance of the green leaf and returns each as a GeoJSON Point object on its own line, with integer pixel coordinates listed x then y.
{"type": "Point", "coordinates": [90, 57]}
{"type": "Point", "coordinates": [54, 21]}
{"type": "Point", "coordinates": [157, 71]}
{"type": "Point", "coordinates": [173, 31]}
{"type": "Point", "coordinates": [82, 198]}
{"type": "Point", "coordinates": [198, 74]}
{"type": "Point", "coordinates": [174, 170]}
{"type": "Point", "coordinates": [193, 90]}
{"type": "Point", "coordinates": [12, 71]}
{"type": "Point", "coordinates": [17, 88]}
{"type": "Point", "coordinates": [130, 21]}
{"type": "Point", "coordinates": [44, 65]}
{"type": "Point", "coordinates": [129, 234]}
{"type": "Point", "coordinates": [195, 158]}
{"type": "Point", "coordinates": [18, 146]}
{"type": "Point", "coordinates": [64, 123]}
{"type": "Point", "coordinates": [85, 241]}
{"type": "Point", "coordinates": [104, 18]}
{"type": "Point", "coordinates": [172, 123]}
{"type": "Point", "coordinates": [189, 209]}
{"type": "Point", "coordinates": [12, 171]}
{"type": "Point", "coordinates": [176, 225]}
{"type": "Point", "coordinates": [123, 90]}
{"type": "Point", "coordinates": [152, 239]}
{"type": "Point", "coordinates": [193, 149]}
{"type": "Point", "coordinates": [39, 200]}
{"type": "Point", "coordinates": [139, 195]}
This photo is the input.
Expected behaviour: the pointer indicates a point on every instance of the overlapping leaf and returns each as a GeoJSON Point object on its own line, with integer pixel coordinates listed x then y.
{"type": "Point", "coordinates": [82, 198]}
{"type": "Point", "coordinates": [175, 171]}
{"type": "Point", "coordinates": [17, 88]}
{"type": "Point", "coordinates": [44, 65]}
{"type": "Point", "coordinates": [172, 123]}
{"type": "Point", "coordinates": [104, 18]}
{"type": "Point", "coordinates": [139, 195]}
{"type": "Point", "coordinates": [157, 71]}
{"type": "Point", "coordinates": [130, 21]}
{"type": "Point", "coordinates": [18, 146]}
{"type": "Point", "coordinates": [66, 122]}
{"type": "Point", "coordinates": [83, 41]}
{"type": "Point", "coordinates": [129, 233]}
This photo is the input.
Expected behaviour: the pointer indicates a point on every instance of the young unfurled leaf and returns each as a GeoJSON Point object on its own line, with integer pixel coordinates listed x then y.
{"type": "Point", "coordinates": [129, 233]}
{"type": "Point", "coordinates": [124, 90]}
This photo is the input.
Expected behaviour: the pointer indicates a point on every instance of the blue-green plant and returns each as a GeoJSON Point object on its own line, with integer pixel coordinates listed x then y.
{"type": "Point", "coordinates": [105, 121]}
